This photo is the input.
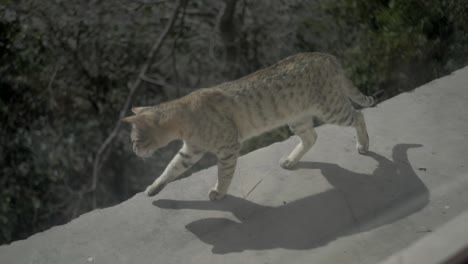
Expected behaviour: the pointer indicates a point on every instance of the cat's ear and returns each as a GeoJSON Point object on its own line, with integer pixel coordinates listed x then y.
{"type": "Point", "coordinates": [138, 120]}
{"type": "Point", "coordinates": [137, 110]}
{"type": "Point", "coordinates": [129, 119]}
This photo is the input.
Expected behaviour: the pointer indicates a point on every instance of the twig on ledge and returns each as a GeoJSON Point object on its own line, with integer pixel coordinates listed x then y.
{"type": "Point", "coordinates": [253, 188]}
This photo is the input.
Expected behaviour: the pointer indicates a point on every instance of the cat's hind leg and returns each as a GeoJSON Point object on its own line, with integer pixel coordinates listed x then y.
{"type": "Point", "coordinates": [342, 113]}
{"type": "Point", "coordinates": [355, 119]}
{"type": "Point", "coordinates": [303, 128]}
{"type": "Point", "coordinates": [359, 123]}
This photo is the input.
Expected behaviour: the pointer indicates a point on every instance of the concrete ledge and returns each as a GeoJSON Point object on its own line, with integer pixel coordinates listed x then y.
{"type": "Point", "coordinates": [447, 243]}
{"type": "Point", "coordinates": [336, 207]}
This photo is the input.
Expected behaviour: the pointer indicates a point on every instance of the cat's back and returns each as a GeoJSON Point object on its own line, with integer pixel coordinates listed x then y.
{"type": "Point", "coordinates": [297, 64]}
{"type": "Point", "coordinates": [289, 72]}
{"type": "Point", "coordinates": [292, 73]}
{"type": "Point", "coordinates": [206, 101]}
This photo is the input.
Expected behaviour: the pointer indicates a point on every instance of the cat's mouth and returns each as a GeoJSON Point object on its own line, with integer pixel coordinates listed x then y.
{"type": "Point", "coordinates": [142, 153]}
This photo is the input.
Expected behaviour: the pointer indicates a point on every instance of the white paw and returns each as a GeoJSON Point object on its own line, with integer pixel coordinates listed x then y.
{"type": "Point", "coordinates": [215, 195]}
{"type": "Point", "coordinates": [362, 149]}
{"type": "Point", "coordinates": [154, 189]}
{"type": "Point", "coordinates": [286, 163]}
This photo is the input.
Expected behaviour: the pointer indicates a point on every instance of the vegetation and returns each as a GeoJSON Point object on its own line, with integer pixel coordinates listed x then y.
{"type": "Point", "coordinates": [70, 69]}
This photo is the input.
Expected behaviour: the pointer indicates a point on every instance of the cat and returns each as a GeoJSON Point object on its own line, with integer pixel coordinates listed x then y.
{"type": "Point", "coordinates": [295, 91]}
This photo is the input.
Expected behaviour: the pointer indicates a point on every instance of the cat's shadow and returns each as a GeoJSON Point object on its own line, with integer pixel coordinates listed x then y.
{"type": "Point", "coordinates": [358, 202]}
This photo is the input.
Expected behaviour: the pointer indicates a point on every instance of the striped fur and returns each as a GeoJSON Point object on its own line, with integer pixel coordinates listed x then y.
{"type": "Point", "coordinates": [297, 91]}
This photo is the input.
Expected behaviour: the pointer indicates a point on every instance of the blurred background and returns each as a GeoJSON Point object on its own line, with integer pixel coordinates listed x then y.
{"type": "Point", "coordinates": [69, 69]}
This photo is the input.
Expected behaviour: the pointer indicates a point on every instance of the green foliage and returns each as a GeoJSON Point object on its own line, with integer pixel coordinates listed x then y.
{"type": "Point", "coordinates": [403, 43]}
{"type": "Point", "coordinates": [25, 183]}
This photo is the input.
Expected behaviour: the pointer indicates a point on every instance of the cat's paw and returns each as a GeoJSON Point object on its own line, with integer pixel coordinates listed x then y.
{"type": "Point", "coordinates": [287, 164]}
{"type": "Point", "coordinates": [362, 149]}
{"type": "Point", "coordinates": [215, 195]}
{"type": "Point", "coordinates": [154, 189]}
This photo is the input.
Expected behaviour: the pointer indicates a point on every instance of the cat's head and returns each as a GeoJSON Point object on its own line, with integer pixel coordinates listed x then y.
{"type": "Point", "coordinates": [148, 132]}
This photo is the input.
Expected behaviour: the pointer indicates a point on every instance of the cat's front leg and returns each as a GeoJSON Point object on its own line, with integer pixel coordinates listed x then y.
{"type": "Point", "coordinates": [226, 166]}
{"type": "Point", "coordinates": [183, 160]}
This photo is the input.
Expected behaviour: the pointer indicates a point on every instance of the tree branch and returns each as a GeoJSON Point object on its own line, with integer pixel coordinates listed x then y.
{"type": "Point", "coordinates": [227, 29]}
{"type": "Point", "coordinates": [153, 81]}
{"type": "Point", "coordinates": [52, 102]}
{"type": "Point", "coordinates": [98, 160]}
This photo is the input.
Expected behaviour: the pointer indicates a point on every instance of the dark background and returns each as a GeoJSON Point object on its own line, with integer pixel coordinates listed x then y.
{"type": "Point", "coordinates": [69, 69]}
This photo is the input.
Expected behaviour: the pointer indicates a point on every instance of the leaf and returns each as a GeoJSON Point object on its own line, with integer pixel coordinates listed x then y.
{"type": "Point", "coordinates": [148, 10]}
{"type": "Point", "coordinates": [36, 203]}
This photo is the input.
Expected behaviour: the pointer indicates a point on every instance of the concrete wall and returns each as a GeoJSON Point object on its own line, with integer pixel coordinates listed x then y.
{"type": "Point", "coordinates": [336, 207]}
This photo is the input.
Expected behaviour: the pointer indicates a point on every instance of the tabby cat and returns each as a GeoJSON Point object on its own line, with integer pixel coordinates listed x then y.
{"type": "Point", "coordinates": [295, 91]}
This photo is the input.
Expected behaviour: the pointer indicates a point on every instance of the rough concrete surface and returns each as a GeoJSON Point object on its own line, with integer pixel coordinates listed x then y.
{"type": "Point", "coordinates": [447, 243]}
{"type": "Point", "coordinates": [336, 207]}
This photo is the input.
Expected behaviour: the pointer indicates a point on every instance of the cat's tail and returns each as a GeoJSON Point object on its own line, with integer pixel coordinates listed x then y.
{"type": "Point", "coordinates": [355, 95]}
